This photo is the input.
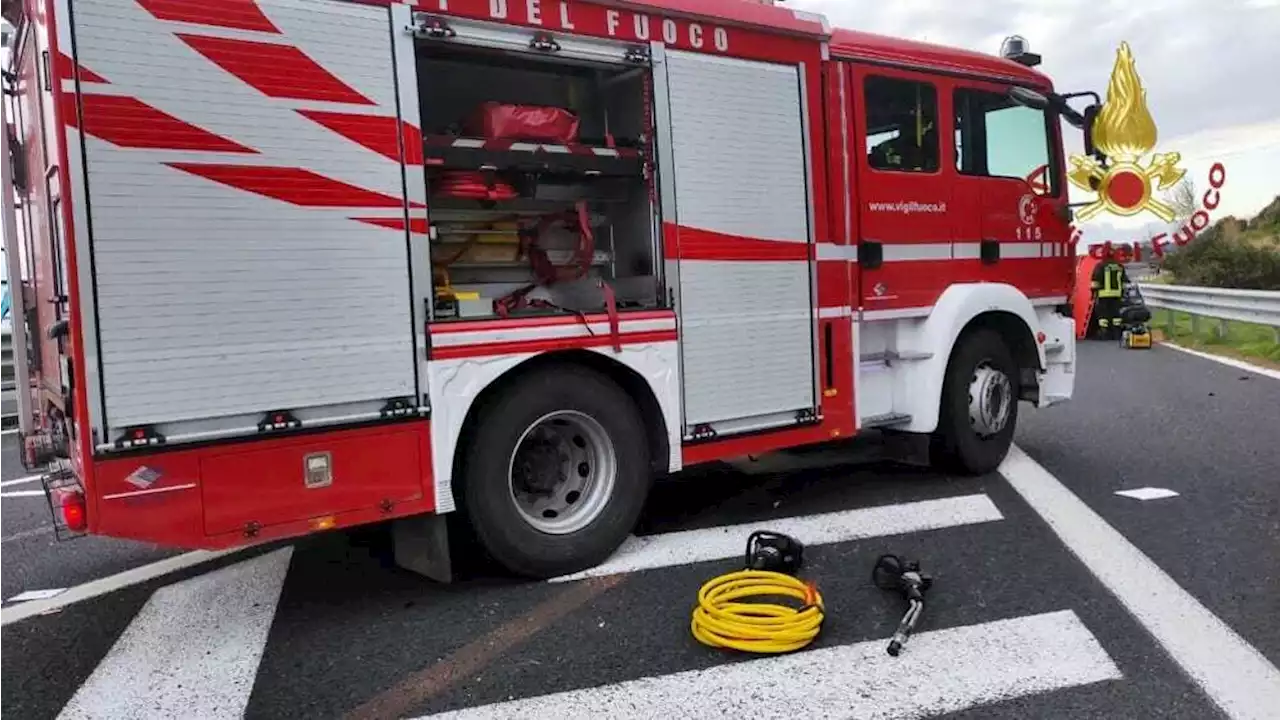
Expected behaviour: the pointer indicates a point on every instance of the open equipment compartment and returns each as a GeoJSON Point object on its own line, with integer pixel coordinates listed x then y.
{"type": "Point", "coordinates": [538, 166]}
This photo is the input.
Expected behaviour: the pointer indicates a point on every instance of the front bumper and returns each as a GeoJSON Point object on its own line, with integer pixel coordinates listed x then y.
{"type": "Point", "coordinates": [1058, 378]}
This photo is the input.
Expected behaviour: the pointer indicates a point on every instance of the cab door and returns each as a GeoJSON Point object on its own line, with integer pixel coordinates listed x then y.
{"type": "Point", "coordinates": [903, 187]}
{"type": "Point", "coordinates": [1008, 165]}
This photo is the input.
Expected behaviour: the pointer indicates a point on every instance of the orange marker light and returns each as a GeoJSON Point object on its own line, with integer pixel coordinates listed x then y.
{"type": "Point", "coordinates": [328, 522]}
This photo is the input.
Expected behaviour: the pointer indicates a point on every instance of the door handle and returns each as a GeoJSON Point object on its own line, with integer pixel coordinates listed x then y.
{"type": "Point", "coordinates": [989, 251]}
{"type": "Point", "coordinates": [870, 254]}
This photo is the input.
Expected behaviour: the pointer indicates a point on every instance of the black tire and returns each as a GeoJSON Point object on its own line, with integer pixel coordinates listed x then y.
{"type": "Point", "coordinates": [956, 447]}
{"type": "Point", "coordinates": [486, 499]}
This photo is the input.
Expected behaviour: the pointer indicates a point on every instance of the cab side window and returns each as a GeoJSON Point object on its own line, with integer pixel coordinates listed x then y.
{"type": "Point", "coordinates": [996, 137]}
{"type": "Point", "coordinates": [902, 125]}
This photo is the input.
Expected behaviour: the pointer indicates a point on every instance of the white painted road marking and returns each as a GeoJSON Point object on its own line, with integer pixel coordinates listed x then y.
{"type": "Point", "coordinates": [193, 650]}
{"type": "Point", "coordinates": [29, 532]}
{"type": "Point", "coordinates": [940, 671]}
{"type": "Point", "coordinates": [36, 595]}
{"type": "Point", "coordinates": [1147, 493]}
{"type": "Point", "coordinates": [1238, 364]}
{"type": "Point", "coordinates": [22, 493]}
{"type": "Point", "coordinates": [21, 480]}
{"type": "Point", "coordinates": [1239, 679]}
{"type": "Point", "coordinates": [691, 546]}
{"type": "Point", "coordinates": [101, 586]}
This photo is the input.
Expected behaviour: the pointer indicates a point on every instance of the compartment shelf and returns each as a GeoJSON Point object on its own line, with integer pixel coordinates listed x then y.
{"type": "Point", "coordinates": [557, 257]}
{"type": "Point", "coordinates": [451, 152]}
{"type": "Point", "coordinates": [447, 210]}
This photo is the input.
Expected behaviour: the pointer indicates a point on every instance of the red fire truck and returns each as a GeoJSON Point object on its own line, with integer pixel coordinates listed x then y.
{"type": "Point", "coordinates": [294, 265]}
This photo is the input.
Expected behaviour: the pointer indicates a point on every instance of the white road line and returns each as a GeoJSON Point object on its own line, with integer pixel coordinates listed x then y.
{"type": "Point", "coordinates": [194, 648]}
{"type": "Point", "coordinates": [1147, 493]}
{"type": "Point", "coordinates": [940, 671]}
{"type": "Point", "coordinates": [30, 532]}
{"type": "Point", "coordinates": [1242, 682]}
{"type": "Point", "coordinates": [1238, 364]}
{"type": "Point", "coordinates": [23, 493]}
{"type": "Point", "coordinates": [101, 586]}
{"type": "Point", "coordinates": [690, 546]}
{"type": "Point", "coordinates": [36, 595]}
{"type": "Point", "coordinates": [20, 481]}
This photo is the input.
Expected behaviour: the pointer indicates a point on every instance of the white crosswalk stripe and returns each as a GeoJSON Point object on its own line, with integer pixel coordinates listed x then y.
{"type": "Point", "coordinates": [943, 671]}
{"type": "Point", "coordinates": [690, 546]}
{"type": "Point", "coordinates": [194, 649]}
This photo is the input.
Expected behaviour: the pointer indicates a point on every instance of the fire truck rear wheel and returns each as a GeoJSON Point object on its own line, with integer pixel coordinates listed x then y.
{"type": "Point", "coordinates": [979, 408]}
{"type": "Point", "coordinates": [557, 472]}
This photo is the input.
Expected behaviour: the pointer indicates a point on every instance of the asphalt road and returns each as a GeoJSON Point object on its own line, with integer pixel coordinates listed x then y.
{"type": "Point", "coordinates": [34, 559]}
{"type": "Point", "coordinates": [1207, 431]}
{"type": "Point", "coordinates": [1025, 619]}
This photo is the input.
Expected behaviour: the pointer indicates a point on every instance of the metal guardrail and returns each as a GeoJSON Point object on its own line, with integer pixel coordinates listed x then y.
{"type": "Point", "coordinates": [9, 394]}
{"type": "Point", "coordinates": [1261, 307]}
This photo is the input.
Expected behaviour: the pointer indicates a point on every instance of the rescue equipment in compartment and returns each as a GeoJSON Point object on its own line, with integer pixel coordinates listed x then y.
{"type": "Point", "coordinates": [721, 621]}
{"type": "Point", "coordinates": [526, 123]}
{"type": "Point", "coordinates": [474, 185]}
{"type": "Point", "coordinates": [893, 573]}
{"type": "Point", "coordinates": [544, 271]}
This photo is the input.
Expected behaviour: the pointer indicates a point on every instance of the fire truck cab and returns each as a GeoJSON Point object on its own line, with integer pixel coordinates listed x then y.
{"type": "Point", "coordinates": [283, 266]}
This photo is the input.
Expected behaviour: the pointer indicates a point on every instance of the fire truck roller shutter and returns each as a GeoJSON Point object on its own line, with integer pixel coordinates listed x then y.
{"type": "Point", "coordinates": [1008, 344]}
{"type": "Point", "coordinates": [740, 153]}
{"type": "Point", "coordinates": [556, 470]}
{"type": "Point", "coordinates": [232, 280]}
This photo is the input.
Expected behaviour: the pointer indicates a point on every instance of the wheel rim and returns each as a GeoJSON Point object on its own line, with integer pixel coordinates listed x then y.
{"type": "Point", "coordinates": [562, 472]}
{"type": "Point", "coordinates": [990, 400]}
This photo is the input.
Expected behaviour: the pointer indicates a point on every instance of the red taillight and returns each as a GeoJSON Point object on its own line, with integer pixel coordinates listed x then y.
{"type": "Point", "coordinates": [70, 506]}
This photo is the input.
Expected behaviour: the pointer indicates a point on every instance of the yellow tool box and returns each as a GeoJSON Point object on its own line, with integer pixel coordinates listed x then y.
{"type": "Point", "coordinates": [1136, 338]}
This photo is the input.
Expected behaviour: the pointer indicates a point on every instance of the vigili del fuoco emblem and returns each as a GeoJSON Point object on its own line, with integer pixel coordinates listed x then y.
{"type": "Point", "coordinates": [1125, 133]}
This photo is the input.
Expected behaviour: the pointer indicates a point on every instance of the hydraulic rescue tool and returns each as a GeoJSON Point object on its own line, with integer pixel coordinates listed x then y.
{"type": "Point", "coordinates": [1134, 319]}
{"type": "Point", "coordinates": [893, 573]}
{"type": "Point", "coordinates": [720, 620]}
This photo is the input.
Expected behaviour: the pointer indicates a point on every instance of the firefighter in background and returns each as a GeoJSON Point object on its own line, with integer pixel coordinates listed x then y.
{"type": "Point", "coordinates": [1109, 280]}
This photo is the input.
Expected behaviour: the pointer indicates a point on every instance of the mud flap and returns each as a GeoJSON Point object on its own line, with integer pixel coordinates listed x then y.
{"type": "Point", "coordinates": [421, 545]}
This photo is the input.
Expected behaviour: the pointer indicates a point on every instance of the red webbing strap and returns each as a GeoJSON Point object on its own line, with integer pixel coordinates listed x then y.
{"type": "Point", "coordinates": [512, 301]}
{"type": "Point", "coordinates": [611, 306]}
{"type": "Point", "coordinates": [544, 272]}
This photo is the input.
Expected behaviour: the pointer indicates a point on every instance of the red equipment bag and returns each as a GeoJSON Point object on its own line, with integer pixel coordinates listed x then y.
{"type": "Point", "coordinates": [528, 123]}
{"type": "Point", "coordinates": [473, 186]}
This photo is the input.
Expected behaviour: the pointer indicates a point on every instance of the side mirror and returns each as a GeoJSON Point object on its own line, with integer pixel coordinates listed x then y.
{"type": "Point", "coordinates": [1029, 98]}
{"type": "Point", "coordinates": [1052, 102]}
{"type": "Point", "coordinates": [1090, 116]}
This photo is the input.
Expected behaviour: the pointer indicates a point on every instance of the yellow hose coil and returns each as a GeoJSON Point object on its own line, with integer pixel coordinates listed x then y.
{"type": "Point", "coordinates": [721, 621]}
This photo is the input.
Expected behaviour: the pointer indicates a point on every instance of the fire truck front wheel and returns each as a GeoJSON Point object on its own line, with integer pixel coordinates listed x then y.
{"type": "Point", "coordinates": [557, 472]}
{"type": "Point", "coordinates": [979, 406]}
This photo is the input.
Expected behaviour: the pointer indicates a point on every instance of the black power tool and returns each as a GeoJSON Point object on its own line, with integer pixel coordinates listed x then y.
{"type": "Point", "coordinates": [893, 573]}
{"type": "Point", "coordinates": [774, 551]}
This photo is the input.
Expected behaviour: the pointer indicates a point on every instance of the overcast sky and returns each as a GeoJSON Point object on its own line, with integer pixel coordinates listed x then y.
{"type": "Point", "coordinates": [1211, 69]}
